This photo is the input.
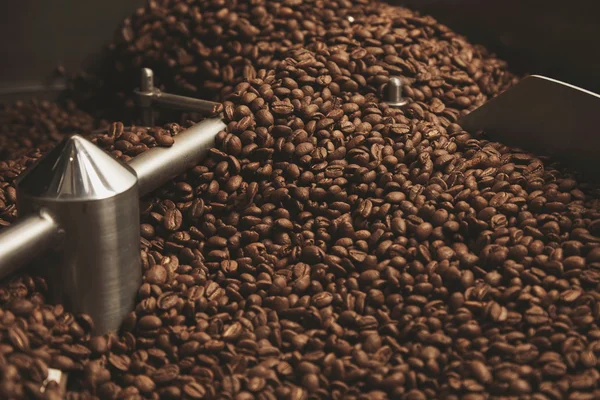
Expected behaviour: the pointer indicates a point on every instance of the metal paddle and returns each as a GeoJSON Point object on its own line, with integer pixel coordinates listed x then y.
{"type": "Point", "coordinates": [547, 117]}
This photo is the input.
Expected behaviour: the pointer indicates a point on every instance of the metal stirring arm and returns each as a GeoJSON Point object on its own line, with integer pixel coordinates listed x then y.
{"type": "Point", "coordinates": [34, 234]}
{"type": "Point", "coordinates": [161, 164]}
{"type": "Point", "coordinates": [176, 102]}
{"type": "Point", "coordinates": [148, 96]}
{"type": "Point", "coordinates": [93, 200]}
{"type": "Point", "coordinates": [547, 117]}
{"type": "Point", "coordinates": [26, 239]}
{"type": "Point", "coordinates": [79, 192]}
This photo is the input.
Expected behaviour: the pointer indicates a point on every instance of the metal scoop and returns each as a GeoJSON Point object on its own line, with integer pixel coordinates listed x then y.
{"type": "Point", "coordinates": [546, 117]}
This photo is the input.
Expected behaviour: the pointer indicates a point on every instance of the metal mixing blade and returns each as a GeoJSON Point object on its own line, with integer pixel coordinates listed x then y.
{"type": "Point", "coordinates": [546, 117]}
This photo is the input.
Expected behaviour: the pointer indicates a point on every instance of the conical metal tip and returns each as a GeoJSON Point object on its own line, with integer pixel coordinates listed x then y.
{"type": "Point", "coordinates": [147, 82]}
{"type": "Point", "coordinates": [76, 169]}
{"type": "Point", "coordinates": [394, 93]}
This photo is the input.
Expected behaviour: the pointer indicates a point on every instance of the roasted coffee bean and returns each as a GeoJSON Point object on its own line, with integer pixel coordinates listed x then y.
{"type": "Point", "coordinates": [328, 246]}
{"type": "Point", "coordinates": [194, 390]}
{"type": "Point", "coordinates": [38, 124]}
{"type": "Point", "coordinates": [173, 219]}
{"type": "Point", "coordinates": [18, 338]}
{"type": "Point", "coordinates": [119, 362]}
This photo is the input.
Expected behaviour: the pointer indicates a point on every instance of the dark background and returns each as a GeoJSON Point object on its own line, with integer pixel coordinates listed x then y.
{"type": "Point", "coordinates": [554, 38]}
{"type": "Point", "coordinates": [38, 35]}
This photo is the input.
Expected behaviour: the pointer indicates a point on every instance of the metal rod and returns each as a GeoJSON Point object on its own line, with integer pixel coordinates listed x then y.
{"type": "Point", "coordinates": [147, 116]}
{"type": "Point", "coordinates": [26, 239]}
{"type": "Point", "coordinates": [148, 96]}
{"type": "Point", "coordinates": [183, 103]}
{"type": "Point", "coordinates": [160, 164]}
{"type": "Point", "coordinates": [145, 97]}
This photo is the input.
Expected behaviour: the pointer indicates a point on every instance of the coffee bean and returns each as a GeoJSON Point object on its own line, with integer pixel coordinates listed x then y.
{"type": "Point", "coordinates": [99, 345]}
{"type": "Point", "coordinates": [149, 322]}
{"type": "Point", "coordinates": [38, 371]}
{"type": "Point", "coordinates": [194, 390]}
{"type": "Point", "coordinates": [329, 246]}
{"type": "Point", "coordinates": [395, 197]}
{"type": "Point", "coordinates": [119, 362]}
{"type": "Point", "coordinates": [21, 307]}
{"type": "Point", "coordinates": [167, 300]}
{"type": "Point", "coordinates": [536, 316]}
{"type": "Point", "coordinates": [63, 363]}
{"type": "Point", "coordinates": [166, 374]}
{"type": "Point", "coordinates": [303, 149]}
{"type": "Point", "coordinates": [554, 369]}
{"type": "Point", "coordinates": [233, 332]}
{"type": "Point", "coordinates": [173, 220]}
{"type": "Point", "coordinates": [76, 351]}
{"type": "Point", "coordinates": [18, 338]}
{"type": "Point", "coordinates": [144, 384]}
{"type": "Point", "coordinates": [311, 254]}
{"type": "Point", "coordinates": [264, 118]}
{"type": "Point", "coordinates": [165, 140]}
{"type": "Point", "coordinates": [156, 275]}
{"type": "Point", "coordinates": [481, 372]}
{"type": "Point", "coordinates": [322, 299]}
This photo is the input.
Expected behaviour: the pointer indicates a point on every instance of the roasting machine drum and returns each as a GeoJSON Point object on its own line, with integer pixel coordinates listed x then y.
{"type": "Point", "coordinates": [84, 205]}
{"type": "Point", "coordinates": [79, 207]}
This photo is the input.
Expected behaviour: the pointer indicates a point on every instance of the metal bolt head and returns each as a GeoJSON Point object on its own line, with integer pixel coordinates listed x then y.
{"type": "Point", "coordinates": [58, 377]}
{"type": "Point", "coordinates": [393, 93]}
{"type": "Point", "coordinates": [147, 81]}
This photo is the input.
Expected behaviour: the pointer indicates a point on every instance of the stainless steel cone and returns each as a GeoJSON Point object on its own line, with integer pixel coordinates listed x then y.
{"type": "Point", "coordinates": [76, 169]}
{"type": "Point", "coordinates": [84, 205]}
{"type": "Point", "coordinates": [95, 201]}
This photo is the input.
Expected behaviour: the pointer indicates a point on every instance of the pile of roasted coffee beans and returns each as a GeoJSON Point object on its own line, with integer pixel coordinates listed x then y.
{"type": "Point", "coordinates": [205, 48]}
{"type": "Point", "coordinates": [330, 247]}
{"type": "Point", "coordinates": [38, 124]}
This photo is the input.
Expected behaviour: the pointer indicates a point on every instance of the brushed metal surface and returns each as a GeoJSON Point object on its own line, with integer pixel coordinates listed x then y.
{"type": "Point", "coordinates": [26, 239]}
{"type": "Point", "coordinates": [161, 164]}
{"type": "Point", "coordinates": [97, 270]}
{"type": "Point", "coordinates": [76, 169]}
{"type": "Point", "coordinates": [547, 117]}
{"type": "Point", "coordinates": [182, 103]}
{"type": "Point", "coordinates": [393, 93]}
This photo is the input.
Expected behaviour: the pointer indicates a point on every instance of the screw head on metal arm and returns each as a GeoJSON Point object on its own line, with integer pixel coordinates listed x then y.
{"type": "Point", "coordinates": [393, 93]}
{"type": "Point", "coordinates": [147, 81]}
